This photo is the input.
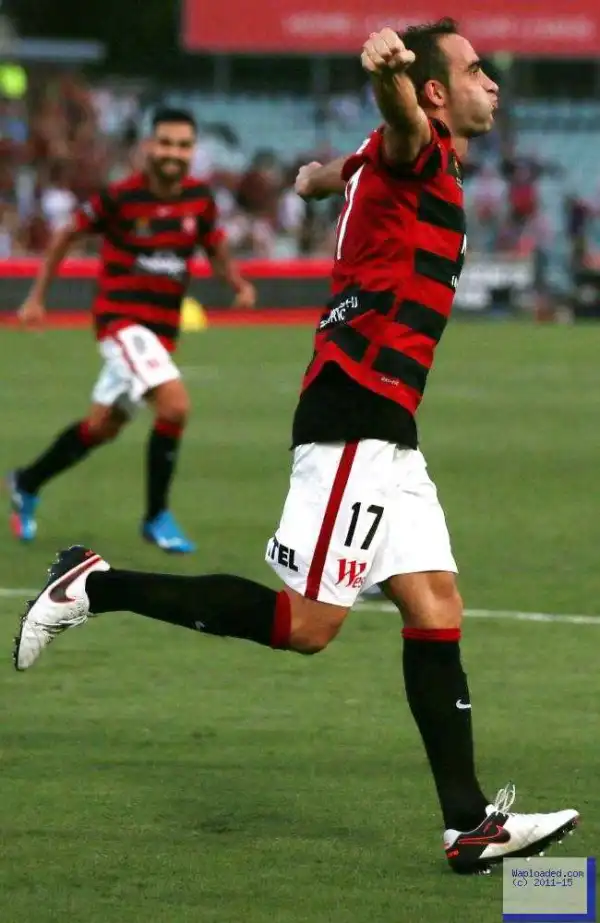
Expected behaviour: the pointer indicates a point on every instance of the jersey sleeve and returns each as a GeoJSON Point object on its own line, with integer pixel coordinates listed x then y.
{"type": "Point", "coordinates": [95, 214]}
{"type": "Point", "coordinates": [431, 159]}
{"type": "Point", "coordinates": [210, 232]}
{"type": "Point", "coordinates": [362, 155]}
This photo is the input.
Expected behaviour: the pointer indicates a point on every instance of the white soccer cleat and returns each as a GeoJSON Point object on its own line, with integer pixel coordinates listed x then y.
{"type": "Point", "coordinates": [504, 835]}
{"type": "Point", "coordinates": [63, 603]}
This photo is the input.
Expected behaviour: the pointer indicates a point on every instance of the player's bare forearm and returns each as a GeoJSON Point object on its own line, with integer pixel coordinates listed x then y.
{"type": "Point", "coordinates": [226, 270]}
{"type": "Point", "coordinates": [397, 101]}
{"type": "Point", "coordinates": [407, 130]}
{"type": "Point", "coordinates": [319, 181]}
{"type": "Point", "coordinates": [58, 248]}
{"type": "Point", "coordinates": [224, 267]}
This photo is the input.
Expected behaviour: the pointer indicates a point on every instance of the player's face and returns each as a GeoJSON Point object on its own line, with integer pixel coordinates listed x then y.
{"type": "Point", "coordinates": [171, 150]}
{"type": "Point", "coordinates": [473, 96]}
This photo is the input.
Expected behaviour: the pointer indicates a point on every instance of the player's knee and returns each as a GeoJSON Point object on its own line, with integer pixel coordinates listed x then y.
{"type": "Point", "coordinates": [428, 600]}
{"type": "Point", "coordinates": [100, 428]}
{"type": "Point", "coordinates": [311, 641]}
{"type": "Point", "coordinates": [172, 404]}
{"type": "Point", "coordinates": [447, 607]}
{"type": "Point", "coordinates": [175, 415]}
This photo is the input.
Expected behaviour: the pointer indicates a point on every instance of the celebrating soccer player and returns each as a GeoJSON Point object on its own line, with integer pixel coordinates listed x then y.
{"type": "Point", "coordinates": [361, 508]}
{"type": "Point", "coordinates": [151, 224]}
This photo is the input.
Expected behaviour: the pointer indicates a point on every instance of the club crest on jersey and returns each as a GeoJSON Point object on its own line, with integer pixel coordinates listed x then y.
{"type": "Point", "coordinates": [142, 227]}
{"type": "Point", "coordinates": [454, 170]}
{"type": "Point", "coordinates": [188, 225]}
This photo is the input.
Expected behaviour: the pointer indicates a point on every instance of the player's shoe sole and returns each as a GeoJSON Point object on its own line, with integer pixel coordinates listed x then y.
{"type": "Point", "coordinates": [61, 604]}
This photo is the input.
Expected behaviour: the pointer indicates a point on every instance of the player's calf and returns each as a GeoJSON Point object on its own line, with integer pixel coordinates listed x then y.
{"type": "Point", "coordinates": [69, 448]}
{"type": "Point", "coordinates": [171, 405]}
{"type": "Point", "coordinates": [81, 585]}
{"type": "Point", "coordinates": [437, 690]}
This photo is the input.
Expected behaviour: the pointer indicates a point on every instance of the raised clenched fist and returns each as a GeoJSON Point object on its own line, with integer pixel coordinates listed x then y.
{"type": "Point", "coordinates": [385, 51]}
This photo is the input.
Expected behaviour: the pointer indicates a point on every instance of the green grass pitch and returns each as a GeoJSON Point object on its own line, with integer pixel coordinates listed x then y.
{"type": "Point", "coordinates": [149, 775]}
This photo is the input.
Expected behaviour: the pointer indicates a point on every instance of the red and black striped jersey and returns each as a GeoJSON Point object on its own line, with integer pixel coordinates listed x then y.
{"type": "Point", "coordinates": [400, 250]}
{"type": "Point", "coordinates": [147, 246]}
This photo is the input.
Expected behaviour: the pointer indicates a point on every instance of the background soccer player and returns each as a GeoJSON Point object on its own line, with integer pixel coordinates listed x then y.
{"type": "Point", "coordinates": [361, 508]}
{"type": "Point", "coordinates": [151, 223]}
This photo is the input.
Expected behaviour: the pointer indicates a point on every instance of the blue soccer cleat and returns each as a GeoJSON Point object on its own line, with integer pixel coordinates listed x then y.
{"type": "Point", "coordinates": [23, 506]}
{"type": "Point", "coordinates": [164, 532]}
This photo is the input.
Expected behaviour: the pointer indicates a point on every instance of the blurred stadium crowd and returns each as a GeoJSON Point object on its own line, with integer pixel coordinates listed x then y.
{"type": "Point", "coordinates": [527, 194]}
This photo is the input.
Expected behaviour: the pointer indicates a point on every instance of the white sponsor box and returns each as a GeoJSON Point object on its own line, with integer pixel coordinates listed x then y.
{"type": "Point", "coordinates": [541, 890]}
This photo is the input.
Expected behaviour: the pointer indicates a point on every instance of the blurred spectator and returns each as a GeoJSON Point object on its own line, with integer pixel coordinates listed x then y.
{"type": "Point", "coordinates": [523, 198]}
{"type": "Point", "coordinates": [13, 122]}
{"type": "Point", "coordinates": [488, 193]}
{"type": "Point", "coordinates": [35, 234]}
{"type": "Point", "coordinates": [57, 200]}
{"type": "Point", "coordinates": [68, 137]}
{"type": "Point", "coordinates": [577, 220]}
{"type": "Point", "coordinates": [9, 231]}
{"type": "Point", "coordinates": [260, 186]}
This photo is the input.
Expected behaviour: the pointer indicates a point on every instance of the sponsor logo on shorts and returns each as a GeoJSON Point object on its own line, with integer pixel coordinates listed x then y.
{"type": "Point", "coordinates": [283, 555]}
{"type": "Point", "coordinates": [351, 573]}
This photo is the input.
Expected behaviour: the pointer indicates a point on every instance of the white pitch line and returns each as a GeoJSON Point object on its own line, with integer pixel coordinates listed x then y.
{"type": "Point", "coordinates": [498, 614]}
{"type": "Point", "coordinates": [17, 592]}
{"type": "Point", "coordinates": [504, 615]}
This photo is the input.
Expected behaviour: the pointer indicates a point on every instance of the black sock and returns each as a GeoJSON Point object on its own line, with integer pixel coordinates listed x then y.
{"type": "Point", "coordinates": [161, 459]}
{"type": "Point", "coordinates": [217, 604]}
{"type": "Point", "coordinates": [437, 692]}
{"type": "Point", "coordinates": [70, 447]}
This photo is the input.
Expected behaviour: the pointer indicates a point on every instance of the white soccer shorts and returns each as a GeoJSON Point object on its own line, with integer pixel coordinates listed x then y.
{"type": "Point", "coordinates": [135, 362]}
{"type": "Point", "coordinates": [355, 515]}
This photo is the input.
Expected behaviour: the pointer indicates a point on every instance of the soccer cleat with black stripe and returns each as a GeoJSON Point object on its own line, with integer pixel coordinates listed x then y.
{"type": "Point", "coordinates": [505, 835]}
{"type": "Point", "coordinates": [62, 603]}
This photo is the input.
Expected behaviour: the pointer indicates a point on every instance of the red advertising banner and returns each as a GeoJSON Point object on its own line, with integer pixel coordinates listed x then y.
{"type": "Point", "coordinates": [565, 28]}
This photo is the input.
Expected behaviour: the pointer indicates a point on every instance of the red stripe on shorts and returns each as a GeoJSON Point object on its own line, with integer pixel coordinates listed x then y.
{"type": "Point", "coordinates": [317, 566]}
{"type": "Point", "coordinates": [130, 360]}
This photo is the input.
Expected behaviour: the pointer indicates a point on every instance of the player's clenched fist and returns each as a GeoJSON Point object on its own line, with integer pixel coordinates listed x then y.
{"type": "Point", "coordinates": [303, 186]}
{"type": "Point", "coordinates": [385, 51]}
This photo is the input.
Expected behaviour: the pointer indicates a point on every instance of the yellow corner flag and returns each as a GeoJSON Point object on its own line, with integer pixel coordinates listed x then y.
{"type": "Point", "coordinates": [193, 316]}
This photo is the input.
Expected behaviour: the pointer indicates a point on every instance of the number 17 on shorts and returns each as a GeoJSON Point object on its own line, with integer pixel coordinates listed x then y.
{"type": "Point", "coordinates": [356, 514]}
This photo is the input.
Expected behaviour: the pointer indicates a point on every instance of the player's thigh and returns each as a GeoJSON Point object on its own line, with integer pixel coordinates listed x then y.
{"type": "Point", "coordinates": [113, 392]}
{"type": "Point", "coordinates": [415, 565]}
{"type": "Point", "coordinates": [147, 362]}
{"type": "Point", "coordinates": [333, 520]}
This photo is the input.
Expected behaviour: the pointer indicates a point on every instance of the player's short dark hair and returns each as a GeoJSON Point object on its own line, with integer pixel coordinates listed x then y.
{"type": "Point", "coordinates": [431, 63]}
{"type": "Point", "coordinates": [168, 116]}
